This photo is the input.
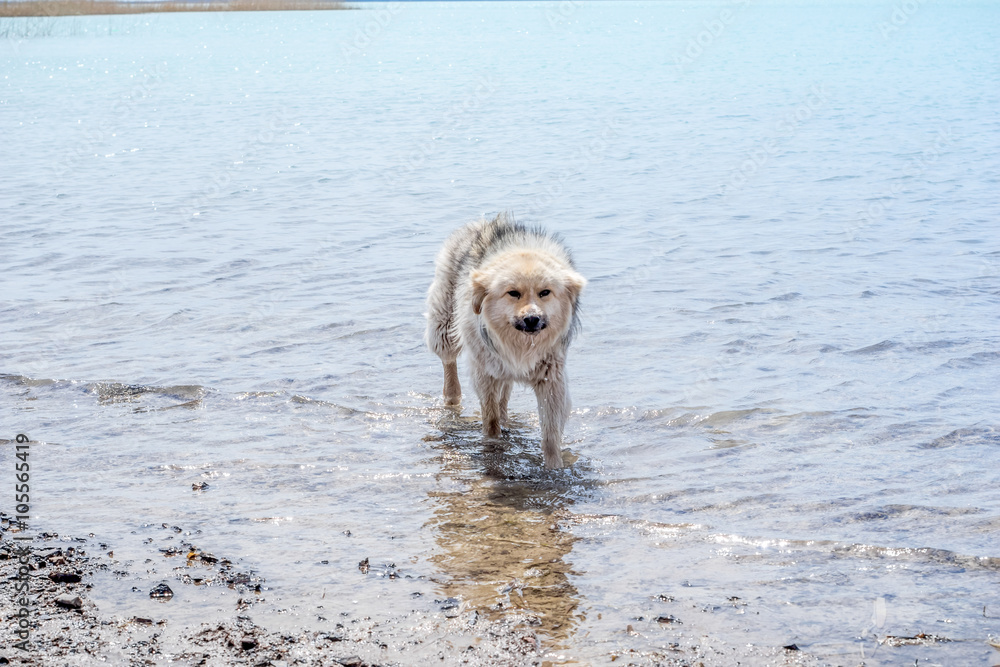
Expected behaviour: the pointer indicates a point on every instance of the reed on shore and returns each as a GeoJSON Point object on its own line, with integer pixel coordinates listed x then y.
{"type": "Point", "coordinates": [36, 8]}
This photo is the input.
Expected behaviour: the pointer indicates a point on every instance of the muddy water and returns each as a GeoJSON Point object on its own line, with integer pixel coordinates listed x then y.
{"type": "Point", "coordinates": [218, 231]}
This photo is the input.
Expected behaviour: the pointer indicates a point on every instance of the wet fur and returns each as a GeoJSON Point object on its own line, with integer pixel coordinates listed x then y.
{"type": "Point", "coordinates": [506, 339]}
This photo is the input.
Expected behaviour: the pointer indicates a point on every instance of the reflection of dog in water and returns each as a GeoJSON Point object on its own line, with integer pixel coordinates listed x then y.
{"type": "Point", "coordinates": [506, 295]}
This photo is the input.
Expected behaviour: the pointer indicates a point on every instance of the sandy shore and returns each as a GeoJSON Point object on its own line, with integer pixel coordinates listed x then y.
{"type": "Point", "coordinates": [66, 626]}
{"type": "Point", "coordinates": [36, 8]}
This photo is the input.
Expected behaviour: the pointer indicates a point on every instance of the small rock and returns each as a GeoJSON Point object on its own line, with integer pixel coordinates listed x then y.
{"type": "Point", "coordinates": [199, 486]}
{"type": "Point", "coordinates": [363, 566]}
{"type": "Point", "coordinates": [668, 619]}
{"type": "Point", "coordinates": [353, 661]}
{"type": "Point", "coordinates": [64, 577]}
{"type": "Point", "coordinates": [69, 601]}
{"type": "Point", "coordinates": [162, 592]}
{"type": "Point", "coordinates": [791, 647]}
{"type": "Point", "coordinates": [142, 621]}
{"type": "Point", "coordinates": [248, 643]}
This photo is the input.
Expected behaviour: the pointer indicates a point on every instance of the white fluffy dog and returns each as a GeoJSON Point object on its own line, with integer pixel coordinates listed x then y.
{"type": "Point", "coordinates": [506, 295]}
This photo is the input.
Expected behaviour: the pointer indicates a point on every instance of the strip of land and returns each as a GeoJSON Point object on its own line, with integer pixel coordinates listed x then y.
{"type": "Point", "coordinates": [57, 621]}
{"type": "Point", "coordinates": [36, 8]}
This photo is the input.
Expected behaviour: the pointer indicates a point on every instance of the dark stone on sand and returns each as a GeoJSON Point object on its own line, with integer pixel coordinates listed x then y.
{"type": "Point", "coordinates": [353, 661]}
{"type": "Point", "coordinates": [69, 601]}
{"type": "Point", "coordinates": [791, 647]}
{"type": "Point", "coordinates": [199, 486]}
{"type": "Point", "coordinates": [65, 577]}
{"type": "Point", "coordinates": [248, 643]}
{"type": "Point", "coordinates": [363, 566]}
{"type": "Point", "coordinates": [668, 619]}
{"type": "Point", "coordinates": [162, 592]}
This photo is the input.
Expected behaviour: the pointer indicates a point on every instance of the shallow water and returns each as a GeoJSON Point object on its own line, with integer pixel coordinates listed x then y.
{"type": "Point", "coordinates": [219, 229]}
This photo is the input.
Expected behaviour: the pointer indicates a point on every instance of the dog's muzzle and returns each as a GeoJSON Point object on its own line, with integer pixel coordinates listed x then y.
{"type": "Point", "coordinates": [530, 324]}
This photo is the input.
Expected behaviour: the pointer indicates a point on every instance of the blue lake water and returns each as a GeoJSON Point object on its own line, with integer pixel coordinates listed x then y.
{"type": "Point", "coordinates": [218, 230]}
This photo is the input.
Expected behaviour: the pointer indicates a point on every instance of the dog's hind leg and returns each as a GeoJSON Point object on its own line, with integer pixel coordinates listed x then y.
{"type": "Point", "coordinates": [553, 409]}
{"type": "Point", "coordinates": [442, 339]}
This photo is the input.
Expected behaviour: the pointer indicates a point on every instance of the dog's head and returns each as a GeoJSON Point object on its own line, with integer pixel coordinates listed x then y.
{"type": "Point", "coordinates": [527, 295]}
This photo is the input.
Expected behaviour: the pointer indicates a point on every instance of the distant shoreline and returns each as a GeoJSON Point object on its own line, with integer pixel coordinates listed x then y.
{"type": "Point", "coordinates": [44, 8]}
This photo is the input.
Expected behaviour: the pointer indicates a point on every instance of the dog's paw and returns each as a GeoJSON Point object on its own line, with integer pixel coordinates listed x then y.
{"type": "Point", "coordinates": [553, 461]}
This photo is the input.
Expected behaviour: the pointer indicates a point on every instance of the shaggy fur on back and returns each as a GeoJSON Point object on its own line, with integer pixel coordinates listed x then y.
{"type": "Point", "coordinates": [471, 307]}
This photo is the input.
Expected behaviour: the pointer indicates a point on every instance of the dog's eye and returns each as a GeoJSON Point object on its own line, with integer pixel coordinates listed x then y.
{"type": "Point", "coordinates": [514, 293]}
{"type": "Point", "coordinates": [545, 292]}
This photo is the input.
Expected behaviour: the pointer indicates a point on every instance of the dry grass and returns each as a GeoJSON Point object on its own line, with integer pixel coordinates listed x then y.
{"type": "Point", "coordinates": [91, 7]}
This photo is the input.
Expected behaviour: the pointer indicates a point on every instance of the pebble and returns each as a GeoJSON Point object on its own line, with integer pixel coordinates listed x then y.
{"type": "Point", "coordinates": [162, 591]}
{"type": "Point", "coordinates": [668, 619]}
{"type": "Point", "coordinates": [69, 601]}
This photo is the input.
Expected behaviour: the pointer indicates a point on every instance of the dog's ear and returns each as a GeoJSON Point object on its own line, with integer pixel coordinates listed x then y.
{"type": "Point", "coordinates": [478, 291]}
{"type": "Point", "coordinates": [575, 284]}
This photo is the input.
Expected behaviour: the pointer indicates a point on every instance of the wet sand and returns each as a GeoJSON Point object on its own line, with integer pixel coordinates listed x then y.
{"type": "Point", "coordinates": [68, 627]}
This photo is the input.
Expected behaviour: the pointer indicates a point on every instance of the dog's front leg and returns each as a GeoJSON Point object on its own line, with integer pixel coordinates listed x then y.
{"type": "Point", "coordinates": [504, 401]}
{"type": "Point", "coordinates": [553, 409]}
{"type": "Point", "coordinates": [491, 403]}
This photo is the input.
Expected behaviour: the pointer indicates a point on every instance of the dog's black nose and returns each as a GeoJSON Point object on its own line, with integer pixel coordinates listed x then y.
{"type": "Point", "coordinates": [531, 323]}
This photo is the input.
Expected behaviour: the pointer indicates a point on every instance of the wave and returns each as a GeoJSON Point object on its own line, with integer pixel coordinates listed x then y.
{"type": "Point", "coordinates": [833, 548]}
